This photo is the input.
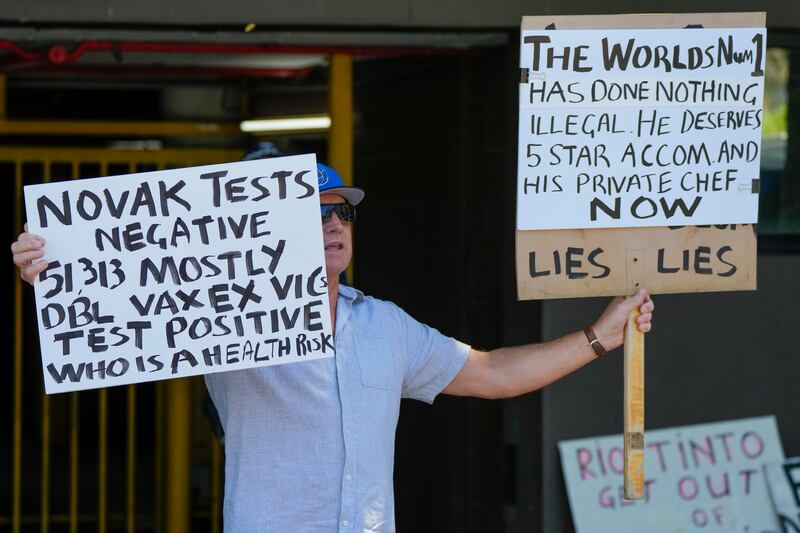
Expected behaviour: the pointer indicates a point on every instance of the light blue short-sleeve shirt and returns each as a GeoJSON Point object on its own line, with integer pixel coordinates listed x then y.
{"type": "Point", "coordinates": [309, 447]}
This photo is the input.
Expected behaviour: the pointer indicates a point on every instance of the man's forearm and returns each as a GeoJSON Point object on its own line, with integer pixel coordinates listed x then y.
{"type": "Point", "coordinates": [507, 372]}
{"type": "Point", "coordinates": [522, 369]}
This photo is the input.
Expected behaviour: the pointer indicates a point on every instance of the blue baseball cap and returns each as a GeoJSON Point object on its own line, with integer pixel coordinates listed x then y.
{"type": "Point", "coordinates": [330, 182]}
{"type": "Point", "coordinates": [263, 150]}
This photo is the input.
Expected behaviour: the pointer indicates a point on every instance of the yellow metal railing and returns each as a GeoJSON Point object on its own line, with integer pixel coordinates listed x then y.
{"type": "Point", "coordinates": [172, 401]}
{"type": "Point", "coordinates": [340, 107]}
{"type": "Point", "coordinates": [175, 413]}
{"type": "Point", "coordinates": [44, 512]}
{"type": "Point", "coordinates": [17, 466]}
{"type": "Point", "coordinates": [130, 503]}
{"type": "Point", "coordinates": [102, 128]}
{"type": "Point", "coordinates": [74, 433]}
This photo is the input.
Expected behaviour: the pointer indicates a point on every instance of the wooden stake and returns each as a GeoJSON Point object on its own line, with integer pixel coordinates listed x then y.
{"type": "Point", "coordinates": [634, 388]}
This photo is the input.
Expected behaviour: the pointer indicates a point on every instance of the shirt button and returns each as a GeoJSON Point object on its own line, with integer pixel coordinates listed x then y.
{"type": "Point", "coordinates": [348, 477]}
{"type": "Point", "coordinates": [345, 523]}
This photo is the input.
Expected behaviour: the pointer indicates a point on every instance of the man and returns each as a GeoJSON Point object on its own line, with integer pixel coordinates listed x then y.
{"type": "Point", "coordinates": [309, 447]}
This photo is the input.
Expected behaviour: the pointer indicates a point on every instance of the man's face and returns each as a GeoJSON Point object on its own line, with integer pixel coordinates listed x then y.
{"type": "Point", "coordinates": [337, 238]}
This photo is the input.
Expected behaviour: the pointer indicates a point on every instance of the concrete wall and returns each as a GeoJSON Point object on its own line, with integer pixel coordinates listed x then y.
{"type": "Point", "coordinates": [710, 357]}
{"type": "Point", "coordinates": [390, 13]}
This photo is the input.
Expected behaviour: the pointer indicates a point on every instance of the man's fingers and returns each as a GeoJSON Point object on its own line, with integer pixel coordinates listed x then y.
{"type": "Point", "coordinates": [25, 236]}
{"type": "Point", "coordinates": [27, 248]}
{"type": "Point", "coordinates": [32, 271]}
{"type": "Point", "coordinates": [648, 306]}
{"type": "Point", "coordinates": [644, 320]}
{"type": "Point", "coordinates": [23, 259]}
{"type": "Point", "coordinates": [635, 301]}
{"type": "Point", "coordinates": [29, 273]}
{"type": "Point", "coordinates": [27, 242]}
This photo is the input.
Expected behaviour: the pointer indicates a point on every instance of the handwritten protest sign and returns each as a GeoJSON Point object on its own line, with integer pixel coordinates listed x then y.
{"type": "Point", "coordinates": [686, 244]}
{"type": "Point", "coordinates": [575, 263]}
{"type": "Point", "coordinates": [705, 477]}
{"type": "Point", "coordinates": [639, 127]}
{"type": "Point", "coordinates": [783, 480]}
{"type": "Point", "coordinates": [180, 272]}
{"type": "Point", "coordinates": [630, 127]}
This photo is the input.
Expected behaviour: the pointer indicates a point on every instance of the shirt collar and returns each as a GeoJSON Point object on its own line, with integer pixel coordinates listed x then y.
{"type": "Point", "coordinates": [348, 296]}
{"type": "Point", "coordinates": [350, 293]}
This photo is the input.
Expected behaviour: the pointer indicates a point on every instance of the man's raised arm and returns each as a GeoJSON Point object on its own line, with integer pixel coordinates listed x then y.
{"type": "Point", "coordinates": [507, 372]}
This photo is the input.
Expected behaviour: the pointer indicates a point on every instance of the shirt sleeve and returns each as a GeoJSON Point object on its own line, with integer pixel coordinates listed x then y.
{"type": "Point", "coordinates": [433, 360]}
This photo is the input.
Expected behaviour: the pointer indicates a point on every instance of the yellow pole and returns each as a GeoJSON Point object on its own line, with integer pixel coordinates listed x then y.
{"type": "Point", "coordinates": [74, 432]}
{"type": "Point", "coordinates": [130, 508]}
{"type": "Point", "coordinates": [178, 443]}
{"type": "Point", "coordinates": [178, 462]}
{"type": "Point", "coordinates": [102, 439]}
{"type": "Point", "coordinates": [340, 106]}
{"type": "Point", "coordinates": [17, 457]}
{"type": "Point", "coordinates": [131, 503]}
{"type": "Point", "coordinates": [158, 475]}
{"type": "Point", "coordinates": [102, 458]}
{"type": "Point", "coordinates": [44, 514]}
{"type": "Point", "coordinates": [340, 102]}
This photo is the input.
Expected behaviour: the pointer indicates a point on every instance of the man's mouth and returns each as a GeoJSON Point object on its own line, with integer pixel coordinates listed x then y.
{"type": "Point", "coordinates": [333, 247]}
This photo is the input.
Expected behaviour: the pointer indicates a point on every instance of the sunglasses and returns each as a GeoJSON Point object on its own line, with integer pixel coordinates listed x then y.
{"type": "Point", "coordinates": [345, 212]}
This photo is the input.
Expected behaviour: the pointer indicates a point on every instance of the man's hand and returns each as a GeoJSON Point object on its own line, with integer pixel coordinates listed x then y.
{"type": "Point", "coordinates": [27, 248]}
{"type": "Point", "coordinates": [610, 327]}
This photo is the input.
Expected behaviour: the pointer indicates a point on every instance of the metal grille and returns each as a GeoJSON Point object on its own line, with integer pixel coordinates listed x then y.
{"type": "Point", "coordinates": [97, 460]}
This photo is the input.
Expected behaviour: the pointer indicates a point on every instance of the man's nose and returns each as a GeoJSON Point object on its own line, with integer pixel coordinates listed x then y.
{"type": "Point", "coordinates": [334, 222]}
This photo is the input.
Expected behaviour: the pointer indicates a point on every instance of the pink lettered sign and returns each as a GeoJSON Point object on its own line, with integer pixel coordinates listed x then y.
{"type": "Point", "coordinates": [706, 477]}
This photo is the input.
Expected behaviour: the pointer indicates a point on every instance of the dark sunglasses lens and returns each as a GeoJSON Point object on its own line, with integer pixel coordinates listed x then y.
{"type": "Point", "coordinates": [345, 212]}
{"type": "Point", "coordinates": [326, 211]}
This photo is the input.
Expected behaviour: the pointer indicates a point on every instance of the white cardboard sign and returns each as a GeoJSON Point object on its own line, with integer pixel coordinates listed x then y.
{"type": "Point", "coordinates": [639, 127]}
{"type": "Point", "coordinates": [784, 489]}
{"type": "Point", "coordinates": [705, 477]}
{"type": "Point", "coordinates": [180, 272]}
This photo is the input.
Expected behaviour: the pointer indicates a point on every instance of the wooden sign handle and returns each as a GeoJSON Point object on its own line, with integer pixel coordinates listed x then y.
{"type": "Point", "coordinates": [634, 410]}
{"type": "Point", "coordinates": [634, 389]}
